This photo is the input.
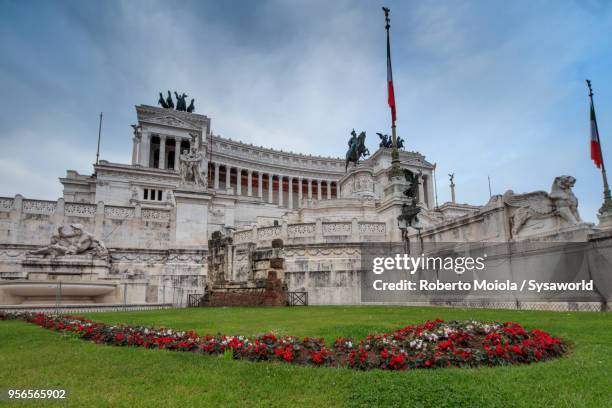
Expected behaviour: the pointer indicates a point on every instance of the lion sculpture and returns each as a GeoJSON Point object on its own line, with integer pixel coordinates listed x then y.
{"type": "Point", "coordinates": [560, 202]}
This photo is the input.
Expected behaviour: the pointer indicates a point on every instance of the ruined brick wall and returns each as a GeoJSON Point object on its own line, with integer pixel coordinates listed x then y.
{"type": "Point", "coordinates": [244, 276]}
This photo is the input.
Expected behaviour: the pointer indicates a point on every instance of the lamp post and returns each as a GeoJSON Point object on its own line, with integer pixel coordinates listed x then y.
{"type": "Point", "coordinates": [403, 226]}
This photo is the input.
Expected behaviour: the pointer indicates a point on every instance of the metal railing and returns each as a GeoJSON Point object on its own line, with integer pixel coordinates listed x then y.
{"type": "Point", "coordinates": [86, 308]}
{"type": "Point", "coordinates": [195, 300]}
{"type": "Point", "coordinates": [297, 298]}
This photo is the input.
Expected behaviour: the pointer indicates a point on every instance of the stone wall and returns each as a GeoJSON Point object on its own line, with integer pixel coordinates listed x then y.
{"type": "Point", "coordinates": [330, 273]}
{"type": "Point", "coordinates": [32, 222]}
{"type": "Point", "coordinates": [140, 242]}
{"type": "Point", "coordinates": [334, 274]}
{"type": "Point", "coordinates": [318, 232]}
{"type": "Point", "coordinates": [600, 263]}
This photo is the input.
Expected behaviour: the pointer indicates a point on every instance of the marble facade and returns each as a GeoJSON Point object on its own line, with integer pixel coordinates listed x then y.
{"type": "Point", "coordinates": [246, 182]}
{"type": "Point", "coordinates": [157, 228]}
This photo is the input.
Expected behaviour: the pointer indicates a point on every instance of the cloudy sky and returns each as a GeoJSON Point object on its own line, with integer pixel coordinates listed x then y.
{"type": "Point", "coordinates": [483, 88]}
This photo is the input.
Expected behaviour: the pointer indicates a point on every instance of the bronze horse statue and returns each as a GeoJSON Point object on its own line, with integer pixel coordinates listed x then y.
{"type": "Point", "coordinates": [356, 149]}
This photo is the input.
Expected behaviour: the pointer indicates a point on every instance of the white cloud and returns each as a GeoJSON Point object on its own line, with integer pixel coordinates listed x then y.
{"type": "Point", "coordinates": [481, 90]}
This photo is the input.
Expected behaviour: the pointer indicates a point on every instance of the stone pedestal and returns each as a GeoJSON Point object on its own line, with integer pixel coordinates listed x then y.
{"type": "Point", "coordinates": [605, 220]}
{"type": "Point", "coordinates": [395, 189]}
{"type": "Point", "coordinates": [47, 292]}
{"type": "Point", "coordinates": [69, 279]}
{"type": "Point", "coordinates": [192, 218]}
{"type": "Point", "coordinates": [65, 268]}
{"type": "Point", "coordinates": [358, 182]}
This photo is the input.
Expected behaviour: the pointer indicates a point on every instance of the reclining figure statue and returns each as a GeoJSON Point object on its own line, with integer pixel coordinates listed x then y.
{"type": "Point", "coordinates": [77, 241]}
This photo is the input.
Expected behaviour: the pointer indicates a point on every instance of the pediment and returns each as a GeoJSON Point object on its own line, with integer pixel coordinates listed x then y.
{"type": "Point", "coordinates": [171, 121]}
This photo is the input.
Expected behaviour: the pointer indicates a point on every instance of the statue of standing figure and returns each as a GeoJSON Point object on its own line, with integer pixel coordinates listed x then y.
{"type": "Point", "coordinates": [190, 168]}
{"type": "Point", "coordinates": [181, 105]}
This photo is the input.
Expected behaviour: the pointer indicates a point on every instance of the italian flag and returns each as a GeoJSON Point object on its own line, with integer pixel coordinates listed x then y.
{"type": "Point", "coordinates": [390, 91]}
{"type": "Point", "coordinates": [595, 146]}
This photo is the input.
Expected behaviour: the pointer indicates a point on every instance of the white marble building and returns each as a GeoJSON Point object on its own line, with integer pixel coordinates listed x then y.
{"type": "Point", "coordinates": [157, 230]}
{"type": "Point", "coordinates": [247, 184]}
{"type": "Point", "coordinates": [156, 227]}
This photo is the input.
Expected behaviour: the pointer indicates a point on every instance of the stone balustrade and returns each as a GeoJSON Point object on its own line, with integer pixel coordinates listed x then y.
{"type": "Point", "coordinates": [85, 210]}
{"type": "Point", "coordinates": [32, 222]}
{"type": "Point", "coordinates": [315, 232]}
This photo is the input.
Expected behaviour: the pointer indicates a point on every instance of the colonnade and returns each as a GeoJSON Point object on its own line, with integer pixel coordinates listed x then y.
{"type": "Point", "coordinates": [158, 151]}
{"type": "Point", "coordinates": [274, 188]}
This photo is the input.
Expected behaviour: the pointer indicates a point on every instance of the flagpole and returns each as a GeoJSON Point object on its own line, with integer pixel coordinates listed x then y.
{"type": "Point", "coordinates": [606, 208]}
{"type": "Point", "coordinates": [99, 135]}
{"type": "Point", "coordinates": [396, 171]}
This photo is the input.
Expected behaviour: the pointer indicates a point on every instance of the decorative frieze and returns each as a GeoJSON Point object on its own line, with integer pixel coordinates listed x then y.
{"type": "Point", "coordinates": [39, 207]}
{"type": "Point", "coordinates": [243, 236]}
{"type": "Point", "coordinates": [11, 254]}
{"type": "Point", "coordinates": [352, 252]}
{"type": "Point", "coordinates": [301, 230]}
{"type": "Point", "coordinates": [155, 215]}
{"type": "Point", "coordinates": [336, 228]}
{"type": "Point", "coordinates": [187, 258]}
{"type": "Point", "coordinates": [169, 179]}
{"type": "Point", "coordinates": [158, 258]}
{"type": "Point", "coordinates": [119, 212]}
{"type": "Point", "coordinates": [267, 233]}
{"type": "Point", "coordinates": [372, 228]}
{"type": "Point", "coordinates": [6, 204]}
{"type": "Point", "coordinates": [80, 210]}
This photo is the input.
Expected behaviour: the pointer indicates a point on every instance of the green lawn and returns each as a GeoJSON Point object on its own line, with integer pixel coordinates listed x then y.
{"type": "Point", "coordinates": [97, 375]}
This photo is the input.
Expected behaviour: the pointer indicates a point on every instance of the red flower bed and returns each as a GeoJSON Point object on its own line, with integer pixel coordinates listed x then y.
{"type": "Point", "coordinates": [434, 344]}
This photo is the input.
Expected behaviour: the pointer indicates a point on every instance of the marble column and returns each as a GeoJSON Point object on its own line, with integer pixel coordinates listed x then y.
{"type": "Point", "coordinates": [238, 181]}
{"type": "Point", "coordinates": [270, 188]}
{"type": "Point", "coordinates": [319, 192]}
{"type": "Point", "coordinates": [338, 192]}
{"type": "Point", "coordinates": [145, 148]}
{"type": "Point", "coordinates": [421, 191]}
{"type": "Point", "coordinates": [216, 185]}
{"type": "Point", "coordinates": [228, 172]}
{"type": "Point", "coordinates": [328, 190]}
{"type": "Point", "coordinates": [299, 190]}
{"type": "Point", "coordinates": [250, 181]}
{"type": "Point", "coordinates": [177, 152]}
{"type": "Point", "coordinates": [280, 190]}
{"type": "Point", "coordinates": [290, 192]}
{"type": "Point", "coordinates": [135, 143]}
{"type": "Point", "coordinates": [310, 189]}
{"type": "Point", "coordinates": [162, 152]}
{"type": "Point", "coordinates": [259, 184]}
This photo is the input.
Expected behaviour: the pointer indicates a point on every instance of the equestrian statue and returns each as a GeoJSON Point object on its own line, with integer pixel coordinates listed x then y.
{"type": "Point", "coordinates": [356, 149]}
